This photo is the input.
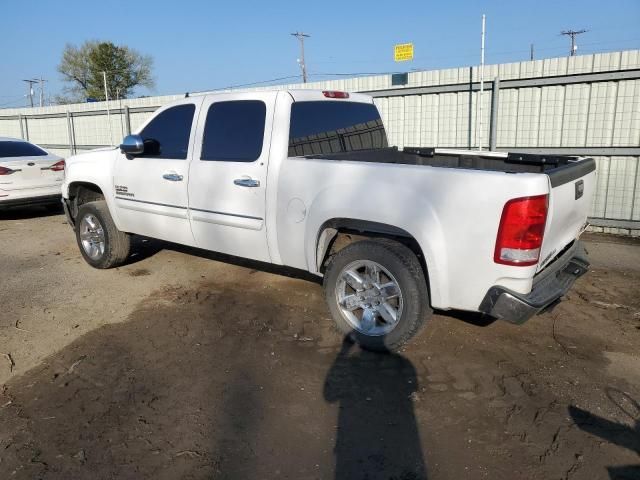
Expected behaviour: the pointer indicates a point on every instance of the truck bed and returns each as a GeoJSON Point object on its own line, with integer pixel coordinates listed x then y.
{"type": "Point", "coordinates": [561, 169]}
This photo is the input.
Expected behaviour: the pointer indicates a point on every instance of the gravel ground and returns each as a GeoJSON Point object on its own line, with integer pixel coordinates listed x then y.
{"type": "Point", "coordinates": [185, 364]}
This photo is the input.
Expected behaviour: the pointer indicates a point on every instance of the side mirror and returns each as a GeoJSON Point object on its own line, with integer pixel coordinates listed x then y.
{"type": "Point", "coordinates": [132, 145]}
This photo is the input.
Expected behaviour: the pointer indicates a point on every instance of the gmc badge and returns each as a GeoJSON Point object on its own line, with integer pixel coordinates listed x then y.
{"type": "Point", "coordinates": [579, 188]}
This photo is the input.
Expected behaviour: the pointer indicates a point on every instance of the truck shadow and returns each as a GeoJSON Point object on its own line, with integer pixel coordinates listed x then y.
{"type": "Point", "coordinates": [211, 383]}
{"type": "Point", "coordinates": [144, 248]}
{"type": "Point", "coordinates": [472, 318]}
{"type": "Point", "coordinates": [26, 213]}
{"type": "Point", "coordinates": [612, 432]}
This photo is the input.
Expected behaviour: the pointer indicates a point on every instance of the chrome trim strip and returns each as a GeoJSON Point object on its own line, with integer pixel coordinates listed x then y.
{"type": "Point", "coordinates": [226, 220]}
{"type": "Point", "coordinates": [150, 203]}
{"type": "Point", "coordinates": [141, 207]}
{"type": "Point", "coordinates": [228, 214]}
{"type": "Point", "coordinates": [237, 215]}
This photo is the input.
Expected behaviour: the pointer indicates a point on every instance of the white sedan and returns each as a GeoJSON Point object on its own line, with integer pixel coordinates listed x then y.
{"type": "Point", "coordinates": [28, 174]}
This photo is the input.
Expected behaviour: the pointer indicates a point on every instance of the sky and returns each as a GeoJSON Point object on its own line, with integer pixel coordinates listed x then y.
{"type": "Point", "coordinates": [202, 45]}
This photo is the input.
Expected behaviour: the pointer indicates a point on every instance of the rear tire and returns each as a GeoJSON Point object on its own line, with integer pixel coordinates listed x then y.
{"type": "Point", "coordinates": [379, 319]}
{"type": "Point", "coordinates": [101, 243]}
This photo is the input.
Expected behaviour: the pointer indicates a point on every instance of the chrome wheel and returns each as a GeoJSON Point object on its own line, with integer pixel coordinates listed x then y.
{"type": "Point", "coordinates": [369, 297]}
{"type": "Point", "coordinates": [92, 236]}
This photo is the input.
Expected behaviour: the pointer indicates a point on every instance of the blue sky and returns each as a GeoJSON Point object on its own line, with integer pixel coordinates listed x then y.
{"type": "Point", "coordinates": [198, 45]}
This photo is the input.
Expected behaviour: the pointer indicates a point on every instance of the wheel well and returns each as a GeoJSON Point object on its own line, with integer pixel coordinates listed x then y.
{"type": "Point", "coordinates": [81, 193]}
{"type": "Point", "coordinates": [338, 233]}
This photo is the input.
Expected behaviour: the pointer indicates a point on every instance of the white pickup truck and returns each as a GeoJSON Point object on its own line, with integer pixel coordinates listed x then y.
{"type": "Point", "coordinates": [305, 179]}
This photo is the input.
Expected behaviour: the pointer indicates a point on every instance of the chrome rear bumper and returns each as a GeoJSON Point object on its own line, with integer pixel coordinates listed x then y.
{"type": "Point", "coordinates": [548, 287]}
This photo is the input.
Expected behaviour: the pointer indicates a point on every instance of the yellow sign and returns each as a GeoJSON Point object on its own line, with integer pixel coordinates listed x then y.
{"type": "Point", "coordinates": [403, 52]}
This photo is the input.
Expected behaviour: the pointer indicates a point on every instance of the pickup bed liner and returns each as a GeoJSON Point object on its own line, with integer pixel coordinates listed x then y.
{"type": "Point", "coordinates": [561, 169]}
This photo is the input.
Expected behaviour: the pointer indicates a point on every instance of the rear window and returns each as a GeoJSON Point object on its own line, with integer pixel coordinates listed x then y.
{"type": "Point", "coordinates": [20, 149]}
{"type": "Point", "coordinates": [333, 127]}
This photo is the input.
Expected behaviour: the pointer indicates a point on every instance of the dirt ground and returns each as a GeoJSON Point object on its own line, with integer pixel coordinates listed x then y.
{"type": "Point", "coordinates": [189, 365]}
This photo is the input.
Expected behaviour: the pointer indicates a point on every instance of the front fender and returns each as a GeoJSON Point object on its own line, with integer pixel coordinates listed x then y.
{"type": "Point", "coordinates": [94, 168]}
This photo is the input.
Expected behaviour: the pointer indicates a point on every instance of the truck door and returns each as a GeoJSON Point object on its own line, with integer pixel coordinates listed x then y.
{"type": "Point", "coordinates": [227, 178]}
{"type": "Point", "coordinates": [151, 188]}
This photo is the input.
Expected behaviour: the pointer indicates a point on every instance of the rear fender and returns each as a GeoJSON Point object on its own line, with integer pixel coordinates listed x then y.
{"type": "Point", "coordinates": [335, 205]}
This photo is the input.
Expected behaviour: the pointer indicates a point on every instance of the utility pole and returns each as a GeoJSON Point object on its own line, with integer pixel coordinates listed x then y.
{"type": "Point", "coordinates": [301, 36]}
{"type": "Point", "coordinates": [573, 34]}
{"type": "Point", "coordinates": [531, 53]}
{"type": "Point", "coordinates": [119, 100]}
{"type": "Point", "coordinates": [30, 91]}
{"type": "Point", "coordinates": [106, 99]}
{"type": "Point", "coordinates": [479, 130]}
{"type": "Point", "coordinates": [41, 82]}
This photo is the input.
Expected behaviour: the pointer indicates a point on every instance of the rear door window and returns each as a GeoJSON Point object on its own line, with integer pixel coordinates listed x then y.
{"type": "Point", "coordinates": [234, 131]}
{"type": "Point", "coordinates": [324, 127]}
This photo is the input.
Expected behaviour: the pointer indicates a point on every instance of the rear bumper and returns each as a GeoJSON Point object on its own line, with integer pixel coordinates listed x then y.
{"type": "Point", "coordinates": [548, 287]}
{"type": "Point", "coordinates": [27, 201]}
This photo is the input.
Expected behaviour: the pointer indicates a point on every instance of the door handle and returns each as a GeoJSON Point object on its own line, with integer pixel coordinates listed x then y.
{"type": "Point", "coordinates": [246, 182]}
{"type": "Point", "coordinates": [172, 177]}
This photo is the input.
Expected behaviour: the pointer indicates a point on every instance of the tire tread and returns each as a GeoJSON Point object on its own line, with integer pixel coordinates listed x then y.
{"type": "Point", "coordinates": [118, 244]}
{"type": "Point", "coordinates": [414, 290]}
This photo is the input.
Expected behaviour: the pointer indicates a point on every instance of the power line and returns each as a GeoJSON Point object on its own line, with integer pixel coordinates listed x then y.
{"type": "Point", "coordinates": [350, 74]}
{"type": "Point", "coordinates": [16, 100]}
{"type": "Point", "coordinates": [538, 48]}
{"type": "Point", "coordinates": [261, 82]}
{"type": "Point", "coordinates": [573, 34]}
{"type": "Point", "coordinates": [251, 84]}
{"type": "Point", "coordinates": [346, 74]}
{"type": "Point", "coordinates": [301, 36]}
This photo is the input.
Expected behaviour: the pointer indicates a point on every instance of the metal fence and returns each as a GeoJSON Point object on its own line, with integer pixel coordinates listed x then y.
{"type": "Point", "coordinates": [582, 105]}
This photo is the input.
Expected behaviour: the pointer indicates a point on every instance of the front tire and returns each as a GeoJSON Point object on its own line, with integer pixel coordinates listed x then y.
{"type": "Point", "coordinates": [101, 243]}
{"type": "Point", "coordinates": [377, 293]}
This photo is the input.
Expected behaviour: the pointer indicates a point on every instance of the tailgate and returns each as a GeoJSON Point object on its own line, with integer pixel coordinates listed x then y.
{"type": "Point", "coordinates": [572, 189]}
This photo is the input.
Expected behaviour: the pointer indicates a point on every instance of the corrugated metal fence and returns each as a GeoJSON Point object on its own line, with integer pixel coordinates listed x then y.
{"type": "Point", "coordinates": [582, 105]}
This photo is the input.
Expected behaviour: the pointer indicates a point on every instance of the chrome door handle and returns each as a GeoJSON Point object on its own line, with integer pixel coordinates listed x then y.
{"type": "Point", "coordinates": [173, 177]}
{"type": "Point", "coordinates": [246, 182]}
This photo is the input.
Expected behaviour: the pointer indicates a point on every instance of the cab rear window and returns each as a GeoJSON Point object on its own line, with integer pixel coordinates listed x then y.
{"type": "Point", "coordinates": [20, 149]}
{"type": "Point", "coordinates": [333, 127]}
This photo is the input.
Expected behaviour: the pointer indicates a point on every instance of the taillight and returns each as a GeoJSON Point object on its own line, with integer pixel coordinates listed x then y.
{"type": "Point", "coordinates": [335, 94]}
{"type": "Point", "coordinates": [521, 231]}
{"type": "Point", "coordinates": [6, 171]}
{"type": "Point", "coordinates": [58, 166]}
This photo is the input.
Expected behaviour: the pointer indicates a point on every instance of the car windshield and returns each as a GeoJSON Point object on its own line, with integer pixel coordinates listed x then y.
{"type": "Point", "coordinates": [14, 148]}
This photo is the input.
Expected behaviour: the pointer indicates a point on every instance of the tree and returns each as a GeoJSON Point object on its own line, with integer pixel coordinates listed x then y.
{"type": "Point", "coordinates": [82, 69]}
